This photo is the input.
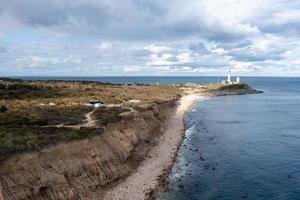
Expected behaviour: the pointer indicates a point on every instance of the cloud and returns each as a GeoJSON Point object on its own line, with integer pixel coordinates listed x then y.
{"type": "Point", "coordinates": [110, 37]}
{"type": "Point", "coordinates": [104, 45]}
{"type": "Point", "coordinates": [131, 19]}
{"type": "Point", "coordinates": [267, 48]}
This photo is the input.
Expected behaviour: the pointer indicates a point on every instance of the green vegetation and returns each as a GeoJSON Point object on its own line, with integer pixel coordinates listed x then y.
{"type": "Point", "coordinates": [25, 90]}
{"type": "Point", "coordinates": [109, 115]}
{"type": "Point", "coordinates": [22, 139]}
{"type": "Point", "coordinates": [23, 94]}
{"type": "Point", "coordinates": [220, 87]}
{"type": "Point", "coordinates": [44, 115]}
{"type": "Point", "coordinates": [3, 109]}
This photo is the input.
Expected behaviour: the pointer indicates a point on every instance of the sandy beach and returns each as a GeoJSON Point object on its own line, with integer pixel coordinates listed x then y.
{"type": "Point", "coordinates": [160, 158]}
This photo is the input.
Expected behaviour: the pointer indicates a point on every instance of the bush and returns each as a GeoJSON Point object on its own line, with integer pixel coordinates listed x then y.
{"type": "Point", "coordinates": [109, 115]}
{"type": "Point", "coordinates": [23, 139]}
{"type": "Point", "coordinates": [2, 86]}
{"type": "Point", "coordinates": [41, 116]}
{"type": "Point", "coordinates": [3, 109]}
{"type": "Point", "coordinates": [234, 87]}
{"type": "Point", "coordinates": [20, 86]}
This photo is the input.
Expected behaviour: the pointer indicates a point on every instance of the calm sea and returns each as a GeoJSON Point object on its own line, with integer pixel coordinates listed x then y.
{"type": "Point", "coordinates": [242, 147]}
{"type": "Point", "coordinates": [237, 147]}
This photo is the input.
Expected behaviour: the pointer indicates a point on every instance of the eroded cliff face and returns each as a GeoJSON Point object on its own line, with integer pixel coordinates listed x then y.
{"type": "Point", "coordinates": [85, 168]}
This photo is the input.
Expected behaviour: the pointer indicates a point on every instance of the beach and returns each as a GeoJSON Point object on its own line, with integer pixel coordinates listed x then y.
{"type": "Point", "coordinates": [160, 158]}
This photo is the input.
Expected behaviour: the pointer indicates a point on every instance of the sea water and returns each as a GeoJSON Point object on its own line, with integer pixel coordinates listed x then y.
{"type": "Point", "coordinates": [242, 147]}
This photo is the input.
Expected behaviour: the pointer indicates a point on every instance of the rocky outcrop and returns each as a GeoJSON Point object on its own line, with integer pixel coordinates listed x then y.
{"type": "Point", "coordinates": [244, 89]}
{"type": "Point", "coordinates": [85, 168]}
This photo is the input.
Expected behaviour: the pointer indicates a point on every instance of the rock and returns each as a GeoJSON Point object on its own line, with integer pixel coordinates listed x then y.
{"type": "Point", "coordinates": [201, 158]}
{"type": "Point", "coordinates": [245, 196]}
{"type": "Point", "coordinates": [93, 154]}
{"type": "Point", "coordinates": [206, 166]}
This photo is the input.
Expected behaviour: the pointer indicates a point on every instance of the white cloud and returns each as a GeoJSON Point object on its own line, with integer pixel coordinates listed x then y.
{"type": "Point", "coordinates": [132, 68]}
{"type": "Point", "coordinates": [195, 37]}
{"type": "Point", "coordinates": [71, 59]}
{"type": "Point", "coordinates": [184, 58]}
{"type": "Point", "coordinates": [104, 45]}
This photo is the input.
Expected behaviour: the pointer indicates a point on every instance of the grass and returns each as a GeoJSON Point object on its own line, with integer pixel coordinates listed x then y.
{"type": "Point", "coordinates": [25, 114]}
{"type": "Point", "coordinates": [42, 116]}
{"type": "Point", "coordinates": [24, 94]}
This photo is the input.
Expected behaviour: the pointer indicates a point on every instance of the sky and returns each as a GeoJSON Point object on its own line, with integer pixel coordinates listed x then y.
{"type": "Point", "coordinates": [149, 37]}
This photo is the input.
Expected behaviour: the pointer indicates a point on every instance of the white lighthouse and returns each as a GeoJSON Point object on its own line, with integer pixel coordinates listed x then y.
{"type": "Point", "coordinates": [229, 77]}
{"type": "Point", "coordinates": [229, 81]}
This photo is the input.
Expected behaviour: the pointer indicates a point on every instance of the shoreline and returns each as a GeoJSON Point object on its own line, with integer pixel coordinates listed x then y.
{"type": "Point", "coordinates": [147, 177]}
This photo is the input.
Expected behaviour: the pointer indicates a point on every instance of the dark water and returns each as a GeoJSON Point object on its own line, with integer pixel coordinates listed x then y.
{"type": "Point", "coordinates": [242, 147]}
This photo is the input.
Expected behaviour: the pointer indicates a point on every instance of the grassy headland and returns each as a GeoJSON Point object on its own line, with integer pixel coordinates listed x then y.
{"type": "Point", "coordinates": [35, 114]}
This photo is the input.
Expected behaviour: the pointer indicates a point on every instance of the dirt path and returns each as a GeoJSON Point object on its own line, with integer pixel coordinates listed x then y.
{"type": "Point", "coordinates": [89, 122]}
{"type": "Point", "coordinates": [160, 158]}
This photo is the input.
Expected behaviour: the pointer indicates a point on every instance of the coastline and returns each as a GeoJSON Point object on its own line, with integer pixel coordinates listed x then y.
{"type": "Point", "coordinates": [125, 155]}
{"type": "Point", "coordinates": [147, 177]}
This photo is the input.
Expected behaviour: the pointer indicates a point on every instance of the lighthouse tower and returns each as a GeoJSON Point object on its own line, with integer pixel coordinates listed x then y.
{"type": "Point", "coordinates": [229, 77]}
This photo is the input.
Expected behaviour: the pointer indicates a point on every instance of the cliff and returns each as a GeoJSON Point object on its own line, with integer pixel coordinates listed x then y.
{"type": "Point", "coordinates": [83, 169]}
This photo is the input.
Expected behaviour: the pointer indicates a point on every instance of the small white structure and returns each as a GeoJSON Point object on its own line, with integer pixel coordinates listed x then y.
{"type": "Point", "coordinates": [95, 103]}
{"type": "Point", "coordinates": [133, 102]}
{"type": "Point", "coordinates": [237, 79]}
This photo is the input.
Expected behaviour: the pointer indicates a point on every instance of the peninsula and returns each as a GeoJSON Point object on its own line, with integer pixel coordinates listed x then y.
{"type": "Point", "coordinates": [91, 140]}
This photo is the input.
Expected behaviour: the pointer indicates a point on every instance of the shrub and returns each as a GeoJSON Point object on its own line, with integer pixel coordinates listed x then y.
{"type": "Point", "coordinates": [3, 109]}
{"type": "Point", "coordinates": [2, 86]}
{"type": "Point", "coordinates": [23, 139]}
{"type": "Point", "coordinates": [109, 115]}
{"type": "Point", "coordinates": [234, 87]}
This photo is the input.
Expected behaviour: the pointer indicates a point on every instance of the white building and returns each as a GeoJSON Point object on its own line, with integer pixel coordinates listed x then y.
{"type": "Point", "coordinates": [228, 81]}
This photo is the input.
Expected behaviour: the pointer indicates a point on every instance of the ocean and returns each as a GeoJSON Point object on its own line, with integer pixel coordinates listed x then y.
{"type": "Point", "coordinates": [236, 147]}
{"type": "Point", "coordinates": [242, 147]}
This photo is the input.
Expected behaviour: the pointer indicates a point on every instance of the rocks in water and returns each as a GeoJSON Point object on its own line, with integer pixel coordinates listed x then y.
{"type": "Point", "coordinates": [245, 195]}
{"type": "Point", "coordinates": [201, 158]}
{"type": "Point", "coordinates": [206, 166]}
